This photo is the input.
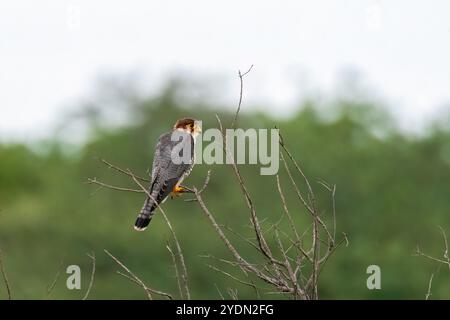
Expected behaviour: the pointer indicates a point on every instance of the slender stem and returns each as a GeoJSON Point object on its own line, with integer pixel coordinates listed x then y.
{"type": "Point", "coordinates": [131, 276]}
{"type": "Point", "coordinates": [91, 281]}
{"type": "Point", "coordinates": [5, 277]}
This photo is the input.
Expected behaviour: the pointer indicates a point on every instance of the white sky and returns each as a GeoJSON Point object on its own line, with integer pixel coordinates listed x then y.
{"type": "Point", "coordinates": [51, 52]}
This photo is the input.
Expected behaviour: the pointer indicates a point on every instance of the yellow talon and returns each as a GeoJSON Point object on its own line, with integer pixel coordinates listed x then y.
{"type": "Point", "coordinates": [177, 191]}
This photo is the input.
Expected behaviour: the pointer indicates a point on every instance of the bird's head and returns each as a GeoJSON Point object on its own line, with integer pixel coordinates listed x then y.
{"type": "Point", "coordinates": [192, 126]}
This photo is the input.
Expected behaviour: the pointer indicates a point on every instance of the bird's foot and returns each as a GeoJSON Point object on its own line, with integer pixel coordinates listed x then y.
{"type": "Point", "coordinates": [179, 190]}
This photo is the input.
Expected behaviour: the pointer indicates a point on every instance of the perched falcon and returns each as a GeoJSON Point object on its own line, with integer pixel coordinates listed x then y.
{"type": "Point", "coordinates": [168, 171]}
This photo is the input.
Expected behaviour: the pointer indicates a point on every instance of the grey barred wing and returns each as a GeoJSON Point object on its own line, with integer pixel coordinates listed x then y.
{"type": "Point", "coordinates": [174, 155]}
{"type": "Point", "coordinates": [172, 162]}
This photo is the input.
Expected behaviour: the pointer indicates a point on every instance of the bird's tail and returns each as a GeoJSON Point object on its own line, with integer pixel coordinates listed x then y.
{"type": "Point", "coordinates": [145, 216]}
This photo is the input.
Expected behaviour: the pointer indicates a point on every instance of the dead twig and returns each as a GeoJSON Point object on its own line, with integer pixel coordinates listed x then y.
{"type": "Point", "coordinates": [241, 80]}
{"type": "Point", "coordinates": [184, 274]}
{"type": "Point", "coordinates": [250, 284]}
{"type": "Point", "coordinates": [284, 275]}
{"type": "Point", "coordinates": [262, 243]}
{"type": "Point", "coordinates": [125, 172]}
{"type": "Point", "coordinates": [446, 259]}
{"type": "Point", "coordinates": [102, 184]}
{"type": "Point", "coordinates": [175, 265]}
{"type": "Point", "coordinates": [430, 282]}
{"type": "Point", "coordinates": [91, 281]}
{"type": "Point", "coordinates": [137, 180]}
{"type": "Point", "coordinates": [131, 276]}
{"type": "Point", "coordinates": [220, 293]}
{"type": "Point", "coordinates": [5, 277]}
{"type": "Point", "coordinates": [205, 184]}
{"type": "Point", "coordinates": [280, 283]}
{"type": "Point", "coordinates": [55, 279]}
{"type": "Point", "coordinates": [292, 269]}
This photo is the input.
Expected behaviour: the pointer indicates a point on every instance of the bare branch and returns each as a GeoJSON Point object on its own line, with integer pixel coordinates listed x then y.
{"type": "Point", "coordinates": [5, 277]}
{"type": "Point", "coordinates": [205, 184]}
{"type": "Point", "coordinates": [233, 293]}
{"type": "Point", "coordinates": [291, 274]}
{"type": "Point", "coordinates": [445, 260]}
{"type": "Point", "coordinates": [332, 190]}
{"type": "Point", "coordinates": [311, 193]}
{"type": "Point", "coordinates": [241, 80]}
{"type": "Point", "coordinates": [296, 245]}
{"type": "Point", "coordinates": [255, 222]}
{"type": "Point", "coordinates": [286, 211]}
{"type": "Point", "coordinates": [184, 275]}
{"type": "Point", "coordinates": [131, 276]}
{"type": "Point", "coordinates": [296, 273]}
{"type": "Point", "coordinates": [125, 172]}
{"type": "Point", "coordinates": [55, 279]}
{"type": "Point", "coordinates": [220, 293]}
{"type": "Point", "coordinates": [241, 237]}
{"type": "Point", "coordinates": [102, 184]}
{"type": "Point", "coordinates": [242, 262]}
{"type": "Point", "coordinates": [252, 285]}
{"type": "Point", "coordinates": [444, 236]}
{"type": "Point", "coordinates": [91, 281]}
{"type": "Point", "coordinates": [294, 184]}
{"type": "Point", "coordinates": [143, 189]}
{"type": "Point", "coordinates": [330, 252]}
{"type": "Point", "coordinates": [428, 295]}
{"type": "Point", "coordinates": [420, 253]}
{"type": "Point", "coordinates": [177, 274]}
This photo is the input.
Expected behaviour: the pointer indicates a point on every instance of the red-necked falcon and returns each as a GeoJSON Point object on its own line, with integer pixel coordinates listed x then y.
{"type": "Point", "coordinates": [170, 166]}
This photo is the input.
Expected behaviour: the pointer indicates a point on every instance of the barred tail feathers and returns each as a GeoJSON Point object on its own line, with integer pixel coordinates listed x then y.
{"type": "Point", "coordinates": [145, 216]}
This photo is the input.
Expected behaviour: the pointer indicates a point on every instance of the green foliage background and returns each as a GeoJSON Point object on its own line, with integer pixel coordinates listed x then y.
{"type": "Point", "coordinates": [393, 190]}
